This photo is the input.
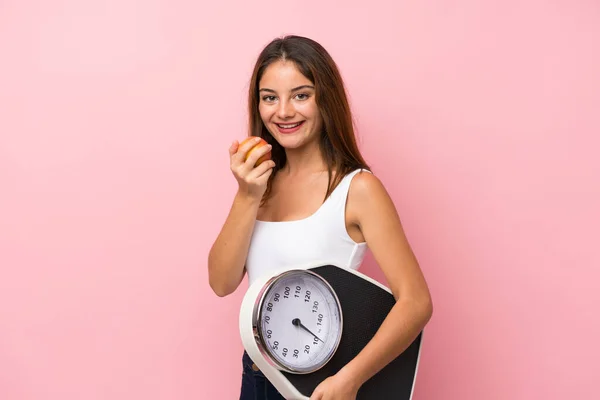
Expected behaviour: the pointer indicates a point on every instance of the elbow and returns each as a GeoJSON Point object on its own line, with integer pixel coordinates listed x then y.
{"type": "Point", "coordinates": [216, 280]}
{"type": "Point", "coordinates": [220, 285]}
{"type": "Point", "coordinates": [221, 289]}
{"type": "Point", "coordinates": [427, 310]}
{"type": "Point", "coordinates": [221, 292]}
{"type": "Point", "coordinates": [425, 307]}
{"type": "Point", "coordinates": [421, 306]}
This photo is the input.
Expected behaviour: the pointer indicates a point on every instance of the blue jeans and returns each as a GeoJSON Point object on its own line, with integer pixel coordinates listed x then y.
{"type": "Point", "coordinates": [254, 384]}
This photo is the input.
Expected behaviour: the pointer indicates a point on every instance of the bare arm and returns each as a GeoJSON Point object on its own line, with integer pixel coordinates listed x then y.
{"type": "Point", "coordinates": [227, 256]}
{"type": "Point", "coordinates": [375, 214]}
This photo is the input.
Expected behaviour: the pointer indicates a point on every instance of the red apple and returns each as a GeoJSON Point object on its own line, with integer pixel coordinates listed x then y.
{"type": "Point", "coordinates": [262, 142]}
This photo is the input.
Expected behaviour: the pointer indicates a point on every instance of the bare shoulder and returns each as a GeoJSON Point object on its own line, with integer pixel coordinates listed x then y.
{"type": "Point", "coordinates": [376, 217]}
{"type": "Point", "coordinates": [367, 195]}
{"type": "Point", "coordinates": [366, 183]}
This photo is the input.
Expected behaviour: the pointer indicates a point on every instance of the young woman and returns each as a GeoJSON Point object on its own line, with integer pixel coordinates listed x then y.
{"type": "Point", "coordinates": [316, 199]}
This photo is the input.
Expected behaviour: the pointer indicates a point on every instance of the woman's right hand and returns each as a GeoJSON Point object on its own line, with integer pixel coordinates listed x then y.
{"type": "Point", "coordinates": [252, 180]}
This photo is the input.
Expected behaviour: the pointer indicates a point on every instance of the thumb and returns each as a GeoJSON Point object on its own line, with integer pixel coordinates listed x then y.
{"type": "Point", "coordinates": [317, 394]}
{"type": "Point", "coordinates": [233, 148]}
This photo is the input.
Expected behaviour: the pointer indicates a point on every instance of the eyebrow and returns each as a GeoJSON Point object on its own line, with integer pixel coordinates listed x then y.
{"type": "Point", "coordinates": [293, 90]}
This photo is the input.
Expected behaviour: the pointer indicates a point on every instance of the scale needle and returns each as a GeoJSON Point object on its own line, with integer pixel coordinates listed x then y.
{"type": "Point", "coordinates": [297, 322]}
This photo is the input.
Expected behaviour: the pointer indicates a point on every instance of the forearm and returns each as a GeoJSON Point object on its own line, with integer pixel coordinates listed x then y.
{"type": "Point", "coordinates": [402, 325]}
{"type": "Point", "coordinates": [228, 254]}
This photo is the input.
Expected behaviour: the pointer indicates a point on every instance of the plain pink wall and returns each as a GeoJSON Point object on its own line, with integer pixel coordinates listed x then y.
{"type": "Point", "coordinates": [482, 118]}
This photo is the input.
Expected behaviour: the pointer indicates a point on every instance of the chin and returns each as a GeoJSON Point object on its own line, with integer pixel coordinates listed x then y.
{"type": "Point", "coordinates": [291, 142]}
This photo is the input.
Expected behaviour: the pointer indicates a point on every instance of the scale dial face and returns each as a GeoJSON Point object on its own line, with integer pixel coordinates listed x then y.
{"type": "Point", "coordinates": [298, 321]}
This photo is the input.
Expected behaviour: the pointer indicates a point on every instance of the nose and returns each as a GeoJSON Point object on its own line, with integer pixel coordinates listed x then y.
{"type": "Point", "coordinates": [285, 109]}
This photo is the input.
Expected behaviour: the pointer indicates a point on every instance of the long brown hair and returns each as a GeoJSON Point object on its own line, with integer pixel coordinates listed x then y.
{"type": "Point", "coordinates": [337, 142]}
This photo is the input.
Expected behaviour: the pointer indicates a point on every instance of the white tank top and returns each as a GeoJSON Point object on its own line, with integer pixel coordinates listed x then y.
{"type": "Point", "coordinates": [319, 237]}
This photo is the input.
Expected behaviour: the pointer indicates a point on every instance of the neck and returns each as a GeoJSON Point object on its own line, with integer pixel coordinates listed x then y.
{"type": "Point", "coordinates": [305, 160]}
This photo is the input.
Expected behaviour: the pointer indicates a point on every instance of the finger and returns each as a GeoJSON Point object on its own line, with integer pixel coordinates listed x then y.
{"type": "Point", "coordinates": [233, 148]}
{"type": "Point", "coordinates": [262, 179]}
{"type": "Point", "coordinates": [242, 150]}
{"type": "Point", "coordinates": [317, 395]}
{"type": "Point", "coordinates": [258, 153]}
{"type": "Point", "coordinates": [262, 168]}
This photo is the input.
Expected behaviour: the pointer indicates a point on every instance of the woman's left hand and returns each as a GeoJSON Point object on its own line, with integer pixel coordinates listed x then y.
{"type": "Point", "coordinates": [336, 387]}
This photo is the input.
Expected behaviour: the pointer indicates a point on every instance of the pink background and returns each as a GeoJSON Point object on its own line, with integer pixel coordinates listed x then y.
{"type": "Point", "coordinates": [481, 117]}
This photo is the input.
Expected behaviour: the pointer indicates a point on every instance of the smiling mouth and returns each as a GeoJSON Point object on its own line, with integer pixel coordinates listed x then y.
{"type": "Point", "coordinates": [290, 126]}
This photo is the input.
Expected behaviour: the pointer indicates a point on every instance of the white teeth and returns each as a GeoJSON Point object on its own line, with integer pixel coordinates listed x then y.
{"type": "Point", "coordinates": [289, 126]}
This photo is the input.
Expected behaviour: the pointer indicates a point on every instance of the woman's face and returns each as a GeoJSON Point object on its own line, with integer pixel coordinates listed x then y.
{"type": "Point", "coordinates": [287, 105]}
